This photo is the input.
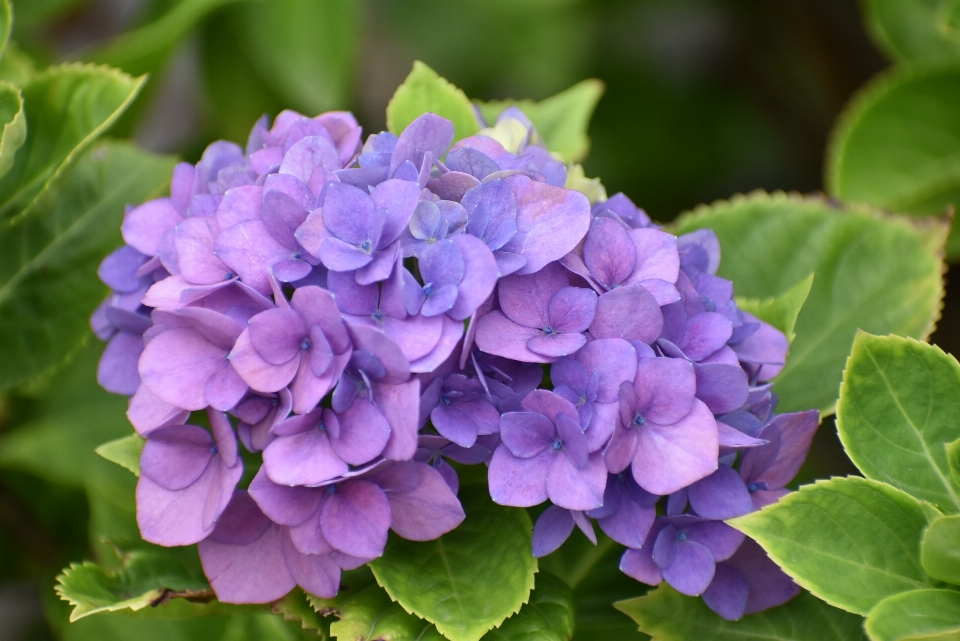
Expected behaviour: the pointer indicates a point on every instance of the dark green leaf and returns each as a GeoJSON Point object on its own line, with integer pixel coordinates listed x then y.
{"type": "Point", "coordinates": [895, 146]}
{"type": "Point", "coordinates": [913, 30]}
{"type": "Point", "coordinates": [780, 311]}
{"type": "Point", "coordinates": [145, 49]}
{"type": "Point", "coordinates": [548, 616]}
{"type": "Point", "coordinates": [304, 49]}
{"type": "Point", "coordinates": [424, 91]}
{"type": "Point", "coordinates": [881, 274]}
{"type": "Point", "coordinates": [940, 549]}
{"type": "Point", "coordinates": [296, 607]}
{"type": "Point", "coordinates": [851, 541]}
{"type": "Point", "coordinates": [49, 256]}
{"type": "Point", "coordinates": [14, 130]}
{"type": "Point", "coordinates": [899, 402]}
{"type": "Point", "coordinates": [125, 452]}
{"type": "Point", "coordinates": [921, 615]}
{"type": "Point", "coordinates": [469, 580]}
{"type": "Point", "coordinates": [122, 627]}
{"type": "Point", "coordinates": [370, 615]}
{"type": "Point", "coordinates": [66, 107]}
{"type": "Point", "coordinates": [594, 574]}
{"type": "Point", "coordinates": [145, 578]}
{"type": "Point", "coordinates": [6, 24]}
{"type": "Point", "coordinates": [561, 120]}
{"type": "Point", "coordinates": [667, 615]}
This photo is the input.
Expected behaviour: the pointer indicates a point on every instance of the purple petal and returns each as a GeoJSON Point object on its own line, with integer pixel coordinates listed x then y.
{"type": "Point", "coordinates": [769, 586]}
{"type": "Point", "coordinates": [614, 360]}
{"type": "Point", "coordinates": [146, 412]}
{"type": "Point", "coordinates": [572, 309]}
{"type": "Point", "coordinates": [452, 185]}
{"type": "Point", "coordinates": [553, 527]}
{"type": "Point", "coordinates": [665, 389]}
{"type": "Point", "coordinates": [728, 592]}
{"type": "Point", "coordinates": [497, 334]}
{"type": "Point", "coordinates": [176, 365]}
{"type": "Point", "coordinates": [631, 313]}
{"type": "Point", "coordinates": [398, 198]}
{"type": "Point", "coordinates": [576, 489]}
{"type": "Point", "coordinates": [657, 255]}
{"type": "Point", "coordinates": [285, 505]}
{"type": "Point", "coordinates": [355, 518]}
{"type": "Point", "coordinates": [479, 279]}
{"type": "Point", "coordinates": [426, 511]}
{"type": "Point", "coordinates": [117, 370]}
{"type": "Point", "coordinates": [722, 387]}
{"type": "Point", "coordinates": [639, 565]}
{"type": "Point", "coordinates": [722, 495]}
{"type": "Point", "coordinates": [609, 252]}
{"type": "Point", "coordinates": [363, 432]}
{"type": "Point", "coordinates": [518, 482]}
{"type": "Point", "coordinates": [142, 226]}
{"type": "Point", "coordinates": [428, 132]}
{"type": "Point", "coordinates": [526, 434]}
{"type": "Point", "coordinates": [525, 299]}
{"type": "Point", "coordinates": [556, 345]}
{"type": "Point", "coordinates": [630, 524]}
{"type": "Point", "coordinates": [671, 457]}
{"type": "Point", "coordinates": [306, 458]}
{"type": "Point", "coordinates": [705, 334]}
{"type": "Point", "coordinates": [399, 405]}
{"type": "Point", "coordinates": [256, 372]}
{"type": "Point", "coordinates": [249, 250]}
{"type": "Point", "coordinates": [550, 222]}
{"type": "Point", "coordinates": [277, 335]}
{"type": "Point", "coordinates": [239, 204]}
{"type": "Point", "coordinates": [175, 457]}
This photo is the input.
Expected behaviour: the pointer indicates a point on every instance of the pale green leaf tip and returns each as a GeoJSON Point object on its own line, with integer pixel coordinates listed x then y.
{"type": "Point", "coordinates": [124, 451]}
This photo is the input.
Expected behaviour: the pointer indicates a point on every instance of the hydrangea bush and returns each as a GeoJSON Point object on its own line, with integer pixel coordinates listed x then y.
{"type": "Point", "coordinates": [366, 317]}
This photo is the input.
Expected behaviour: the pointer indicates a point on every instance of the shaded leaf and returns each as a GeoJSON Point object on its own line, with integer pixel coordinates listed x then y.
{"type": "Point", "coordinates": [6, 24]}
{"type": "Point", "coordinates": [67, 107]}
{"type": "Point", "coordinates": [899, 402]}
{"type": "Point", "coordinates": [561, 120]}
{"type": "Point", "coordinates": [780, 311]}
{"type": "Point", "coordinates": [145, 49]}
{"type": "Point", "coordinates": [125, 452]}
{"type": "Point", "coordinates": [16, 67]}
{"type": "Point", "coordinates": [940, 549]}
{"type": "Point", "coordinates": [304, 49]}
{"type": "Point", "coordinates": [921, 615]}
{"type": "Point", "coordinates": [469, 580]}
{"type": "Point", "coordinates": [146, 576]}
{"type": "Point", "coordinates": [14, 130]}
{"type": "Point", "coordinates": [123, 627]}
{"type": "Point", "coordinates": [667, 615]}
{"type": "Point", "coordinates": [851, 541]}
{"type": "Point", "coordinates": [49, 256]}
{"type": "Point", "coordinates": [296, 607]}
{"type": "Point", "coordinates": [548, 616]}
{"type": "Point", "coordinates": [895, 146]}
{"type": "Point", "coordinates": [423, 91]}
{"type": "Point", "coordinates": [913, 30]}
{"type": "Point", "coordinates": [881, 274]}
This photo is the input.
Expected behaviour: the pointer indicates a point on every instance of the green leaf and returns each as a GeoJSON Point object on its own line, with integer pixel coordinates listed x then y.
{"type": "Point", "coordinates": [125, 452]}
{"type": "Point", "coordinates": [953, 458]}
{"type": "Point", "coordinates": [899, 402]}
{"type": "Point", "coordinates": [146, 578]}
{"type": "Point", "coordinates": [49, 255]}
{"type": "Point", "coordinates": [667, 615]}
{"type": "Point", "coordinates": [895, 146]}
{"type": "Point", "coordinates": [424, 91]}
{"type": "Point", "coordinates": [67, 107]}
{"type": "Point", "coordinates": [912, 30]}
{"type": "Point", "coordinates": [940, 549]}
{"type": "Point", "coordinates": [306, 50]}
{"type": "Point", "coordinates": [370, 614]}
{"type": "Point", "coordinates": [548, 616]}
{"type": "Point", "coordinates": [851, 541]}
{"type": "Point", "coordinates": [920, 615]}
{"type": "Point", "coordinates": [780, 311]}
{"type": "Point", "coordinates": [296, 607]}
{"type": "Point", "coordinates": [16, 67]}
{"type": "Point", "coordinates": [881, 274]}
{"type": "Point", "coordinates": [561, 120]}
{"type": "Point", "coordinates": [594, 574]}
{"type": "Point", "coordinates": [14, 130]}
{"type": "Point", "coordinates": [6, 25]}
{"type": "Point", "coordinates": [146, 49]}
{"type": "Point", "coordinates": [469, 580]}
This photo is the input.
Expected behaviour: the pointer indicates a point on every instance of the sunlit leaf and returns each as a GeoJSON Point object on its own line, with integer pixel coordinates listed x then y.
{"type": "Point", "coordinates": [423, 91]}
{"type": "Point", "coordinates": [14, 130]}
{"type": "Point", "coordinates": [920, 615]}
{"type": "Point", "coordinates": [899, 403]}
{"type": "Point", "coordinates": [780, 311]}
{"type": "Point", "coordinates": [850, 541]}
{"type": "Point", "coordinates": [125, 452]}
{"type": "Point", "coordinates": [940, 549]}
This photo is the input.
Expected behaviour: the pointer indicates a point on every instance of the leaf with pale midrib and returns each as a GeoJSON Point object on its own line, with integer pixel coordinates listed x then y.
{"type": "Point", "coordinates": [49, 257]}
{"type": "Point", "coordinates": [850, 541]}
{"type": "Point", "coordinates": [877, 273]}
{"type": "Point", "coordinates": [899, 403]}
{"type": "Point", "coordinates": [667, 615]}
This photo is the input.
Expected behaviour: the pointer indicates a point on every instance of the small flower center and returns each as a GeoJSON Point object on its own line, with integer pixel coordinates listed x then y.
{"type": "Point", "coordinates": [446, 400]}
{"type": "Point", "coordinates": [297, 256]}
{"type": "Point", "coordinates": [548, 330]}
{"type": "Point", "coordinates": [557, 445]}
{"type": "Point", "coordinates": [639, 420]}
{"type": "Point", "coordinates": [753, 487]}
{"type": "Point", "coordinates": [581, 401]}
{"type": "Point", "coordinates": [305, 345]}
{"type": "Point", "coordinates": [681, 536]}
{"type": "Point", "coordinates": [228, 276]}
{"type": "Point", "coordinates": [378, 316]}
{"type": "Point", "coordinates": [214, 450]}
{"type": "Point", "coordinates": [365, 246]}
{"type": "Point", "coordinates": [332, 489]}
{"type": "Point", "coordinates": [321, 426]}
{"type": "Point", "coordinates": [428, 289]}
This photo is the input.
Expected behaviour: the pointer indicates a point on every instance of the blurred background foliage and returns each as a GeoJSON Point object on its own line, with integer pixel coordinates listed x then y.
{"type": "Point", "coordinates": [704, 98]}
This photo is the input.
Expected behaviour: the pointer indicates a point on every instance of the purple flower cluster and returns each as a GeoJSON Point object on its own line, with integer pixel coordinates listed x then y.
{"type": "Point", "coordinates": [359, 315]}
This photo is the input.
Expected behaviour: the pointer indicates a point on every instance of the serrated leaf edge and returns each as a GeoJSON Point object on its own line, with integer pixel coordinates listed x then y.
{"type": "Point", "coordinates": [14, 132]}
{"type": "Point", "coordinates": [80, 609]}
{"type": "Point", "coordinates": [418, 65]}
{"type": "Point", "coordinates": [737, 523]}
